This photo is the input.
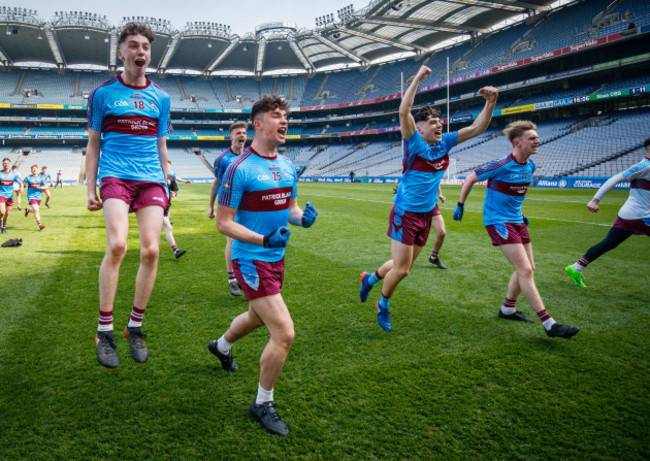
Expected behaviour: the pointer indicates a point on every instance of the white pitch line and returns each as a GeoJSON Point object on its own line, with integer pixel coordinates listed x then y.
{"type": "Point", "coordinates": [529, 217]}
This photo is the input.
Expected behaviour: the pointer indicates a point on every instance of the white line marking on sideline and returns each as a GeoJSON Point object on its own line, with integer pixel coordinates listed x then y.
{"type": "Point", "coordinates": [467, 211]}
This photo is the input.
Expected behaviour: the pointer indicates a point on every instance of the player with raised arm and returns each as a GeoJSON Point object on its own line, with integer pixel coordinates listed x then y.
{"type": "Point", "coordinates": [47, 182]}
{"type": "Point", "coordinates": [221, 163]}
{"type": "Point", "coordinates": [257, 200]}
{"type": "Point", "coordinates": [633, 217]}
{"type": "Point", "coordinates": [128, 119]}
{"type": "Point", "coordinates": [425, 160]}
{"type": "Point", "coordinates": [7, 180]}
{"type": "Point", "coordinates": [35, 184]}
{"type": "Point", "coordinates": [508, 181]}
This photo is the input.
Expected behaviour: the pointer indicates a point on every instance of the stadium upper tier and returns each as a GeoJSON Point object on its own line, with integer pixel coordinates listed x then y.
{"type": "Point", "coordinates": [582, 23]}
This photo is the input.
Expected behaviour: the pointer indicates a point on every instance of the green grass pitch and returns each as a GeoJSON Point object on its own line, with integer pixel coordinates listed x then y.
{"type": "Point", "coordinates": [450, 382]}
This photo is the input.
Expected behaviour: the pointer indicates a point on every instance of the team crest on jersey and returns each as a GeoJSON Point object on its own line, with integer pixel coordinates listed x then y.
{"type": "Point", "coordinates": [152, 105]}
{"type": "Point", "coordinates": [226, 185]}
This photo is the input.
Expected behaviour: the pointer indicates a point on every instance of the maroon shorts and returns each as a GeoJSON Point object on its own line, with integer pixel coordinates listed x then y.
{"type": "Point", "coordinates": [35, 202]}
{"type": "Point", "coordinates": [636, 226]}
{"type": "Point", "coordinates": [259, 278]}
{"type": "Point", "coordinates": [436, 211]}
{"type": "Point", "coordinates": [136, 194]}
{"type": "Point", "coordinates": [504, 234]}
{"type": "Point", "coordinates": [8, 201]}
{"type": "Point", "coordinates": [410, 228]}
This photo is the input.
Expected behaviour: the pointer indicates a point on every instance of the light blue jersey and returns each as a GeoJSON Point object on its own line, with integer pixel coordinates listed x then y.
{"type": "Point", "coordinates": [131, 119]}
{"type": "Point", "coordinates": [423, 168]}
{"type": "Point", "coordinates": [34, 184]}
{"type": "Point", "coordinates": [260, 188]}
{"type": "Point", "coordinates": [508, 183]}
{"type": "Point", "coordinates": [47, 179]}
{"type": "Point", "coordinates": [637, 206]}
{"type": "Point", "coordinates": [7, 181]}
{"type": "Point", "coordinates": [222, 162]}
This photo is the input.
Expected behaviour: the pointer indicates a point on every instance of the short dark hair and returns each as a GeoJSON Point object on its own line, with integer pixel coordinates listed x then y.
{"type": "Point", "coordinates": [134, 28]}
{"type": "Point", "coordinates": [236, 125]}
{"type": "Point", "coordinates": [646, 143]}
{"type": "Point", "coordinates": [425, 113]}
{"type": "Point", "coordinates": [267, 104]}
{"type": "Point", "coordinates": [6, 158]}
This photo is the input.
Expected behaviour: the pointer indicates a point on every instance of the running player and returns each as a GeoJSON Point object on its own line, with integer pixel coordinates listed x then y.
{"type": "Point", "coordinates": [59, 179]}
{"type": "Point", "coordinates": [167, 224]}
{"type": "Point", "coordinates": [128, 119]}
{"type": "Point", "coordinates": [237, 142]}
{"type": "Point", "coordinates": [425, 161]}
{"type": "Point", "coordinates": [172, 179]}
{"type": "Point", "coordinates": [7, 180]}
{"type": "Point", "coordinates": [18, 187]}
{"type": "Point", "coordinates": [633, 217]}
{"type": "Point", "coordinates": [169, 231]}
{"type": "Point", "coordinates": [508, 180]}
{"type": "Point", "coordinates": [47, 181]}
{"type": "Point", "coordinates": [35, 185]}
{"type": "Point", "coordinates": [256, 202]}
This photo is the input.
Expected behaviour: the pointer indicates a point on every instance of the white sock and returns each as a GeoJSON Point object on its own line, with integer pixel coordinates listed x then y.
{"type": "Point", "coordinates": [223, 345]}
{"type": "Point", "coordinates": [263, 395]}
{"type": "Point", "coordinates": [508, 310]}
{"type": "Point", "coordinates": [578, 267]}
{"type": "Point", "coordinates": [549, 323]}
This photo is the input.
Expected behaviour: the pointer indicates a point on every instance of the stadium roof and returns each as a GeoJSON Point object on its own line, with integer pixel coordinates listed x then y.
{"type": "Point", "coordinates": [384, 30]}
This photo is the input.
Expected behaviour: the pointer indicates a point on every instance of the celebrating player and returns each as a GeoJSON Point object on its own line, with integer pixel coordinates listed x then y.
{"type": "Point", "coordinates": [221, 163]}
{"type": "Point", "coordinates": [425, 161]}
{"type": "Point", "coordinates": [18, 186]}
{"type": "Point", "coordinates": [132, 113]}
{"type": "Point", "coordinates": [7, 180]}
{"type": "Point", "coordinates": [35, 185]}
{"type": "Point", "coordinates": [172, 180]}
{"type": "Point", "coordinates": [167, 224]}
{"type": "Point", "coordinates": [256, 202]}
{"type": "Point", "coordinates": [633, 217]}
{"type": "Point", "coordinates": [508, 180]}
{"type": "Point", "coordinates": [47, 181]}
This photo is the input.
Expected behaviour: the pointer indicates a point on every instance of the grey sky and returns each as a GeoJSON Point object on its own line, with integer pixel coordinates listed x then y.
{"type": "Point", "coordinates": [242, 16]}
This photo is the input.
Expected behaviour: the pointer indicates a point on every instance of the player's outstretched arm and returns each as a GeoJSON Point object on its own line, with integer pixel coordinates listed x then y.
{"type": "Point", "coordinates": [481, 123]}
{"type": "Point", "coordinates": [406, 120]}
{"type": "Point", "coordinates": [92, 164]}
{"type": "Point", "coordinates": [609, 185]}
{"type": "Point", "coordinates": [464, 192]}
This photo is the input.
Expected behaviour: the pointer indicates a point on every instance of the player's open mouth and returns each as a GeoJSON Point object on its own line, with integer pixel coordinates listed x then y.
{"type": "Point", "coordinates": [282, 131]}
{"type": "Point", "coordinates": [140, 62]}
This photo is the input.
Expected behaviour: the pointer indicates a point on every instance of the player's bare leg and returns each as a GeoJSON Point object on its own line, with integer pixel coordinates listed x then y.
{"type": "Point", "coordinates": [150, 220]}
{"type": "Point", "coordinates": [521, 257]}
{"type": "Point", "coordinates": [438, 226]}
{"type": "Point", "coordinates": [116, 219]}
